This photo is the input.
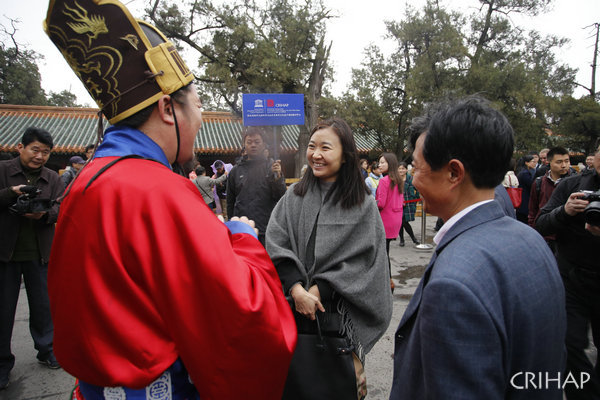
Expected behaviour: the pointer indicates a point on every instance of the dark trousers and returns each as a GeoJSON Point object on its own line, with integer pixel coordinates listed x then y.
{"type": "Point", "coordinates": [387, 250]}
{"type": "Point", "coordinates": [406, 226]}
{"type": "Point", "coordinates": [582, 293]}
{"type": "Point", "coordinates": [35, 275]}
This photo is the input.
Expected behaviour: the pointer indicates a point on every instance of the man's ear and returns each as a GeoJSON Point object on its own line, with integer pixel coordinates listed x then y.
{"type": "Point", "coordinates": [165, 109]}
{"type": "Point", "coordinates": [456, 170]}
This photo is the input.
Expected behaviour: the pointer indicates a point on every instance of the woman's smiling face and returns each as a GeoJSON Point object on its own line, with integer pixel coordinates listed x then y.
{"type": "Point", "coordinates": [324, 154]}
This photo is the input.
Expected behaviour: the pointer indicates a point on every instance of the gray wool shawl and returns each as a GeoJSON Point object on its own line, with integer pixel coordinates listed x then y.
{"type": "Point", "coordinates": [349, 254]}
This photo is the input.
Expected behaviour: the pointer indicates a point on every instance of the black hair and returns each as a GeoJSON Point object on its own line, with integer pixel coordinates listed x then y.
{"type": "Point", "coordinates": [200, 170]}
{"type": "Point", "coordinates": [349, 189]}
{"type": "Point", "coordinates": [521, 163]}
{"type": "Point", "coordinates": [89, 147]}
{"type": "Point", "coordinates": [41, 135]}
{"type": "Point", "coordinates": [392, 172]}
{"type": "Point", "coordinates": [474, 133]}
{"type": "Point", "coordinates": [556, 151]}
{"type": "Point", "coordinates": [253, 131]}
{"type": "Point", "coordinates": [139, 118]}
{"type": "Point", "coordinates": [420, 124]}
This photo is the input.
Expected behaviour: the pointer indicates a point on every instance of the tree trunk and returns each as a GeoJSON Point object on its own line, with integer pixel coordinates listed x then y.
{"type": "Point", "coordinates": [595, 64]}
{"type": "Point", "coordinates": [315, 86]}
{"type": "Point", "coordinates": [404, 107]}
{"type": "Point", "coordinates": [483, 37]}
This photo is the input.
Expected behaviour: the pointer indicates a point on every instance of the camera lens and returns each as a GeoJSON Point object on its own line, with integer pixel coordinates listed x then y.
{"type": "Point", "coordinates": [592, 213]}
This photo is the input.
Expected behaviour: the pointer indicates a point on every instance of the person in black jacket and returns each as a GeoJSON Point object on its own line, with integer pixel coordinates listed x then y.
{"type": "Point", "coordinates": [525, 174]}
{"type": "Point", "coordinates": [25, 241]}
{"type": "Point", "coordinates": [577, 244]}
{"type": "Point", "coordinates": [76, 163]}
{"type": "Point", "coordinates": [255, 184]}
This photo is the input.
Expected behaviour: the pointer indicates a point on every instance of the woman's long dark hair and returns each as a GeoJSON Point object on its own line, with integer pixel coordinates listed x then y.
{"type": "Point", "coordinates": [349, 188]}
{"type": "Point", "coordinates": [395, 178]}
{"type": "Point", "coordinates": [521, 163]}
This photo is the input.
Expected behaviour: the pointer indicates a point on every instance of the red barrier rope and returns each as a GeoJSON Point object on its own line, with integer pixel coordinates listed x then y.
{"type": "Point", "coordinates": [412, 201]}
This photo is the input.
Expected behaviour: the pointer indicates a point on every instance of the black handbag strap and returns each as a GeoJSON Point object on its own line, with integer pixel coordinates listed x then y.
{"type": "Point", "coordinates": [321, 344]}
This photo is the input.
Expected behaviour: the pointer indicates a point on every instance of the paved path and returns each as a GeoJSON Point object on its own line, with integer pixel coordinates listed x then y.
{"type": "Point", "coordinates": [408, 265]}
{"type": "Point", "coordinates": [31, 381]}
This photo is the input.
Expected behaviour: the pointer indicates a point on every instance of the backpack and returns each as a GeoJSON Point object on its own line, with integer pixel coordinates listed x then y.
{"type": "Point", "coordinates": [538, 185]}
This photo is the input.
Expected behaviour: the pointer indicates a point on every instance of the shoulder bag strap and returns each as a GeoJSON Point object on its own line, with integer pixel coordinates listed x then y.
{"type": "Point", "coordinates": [202, 189]}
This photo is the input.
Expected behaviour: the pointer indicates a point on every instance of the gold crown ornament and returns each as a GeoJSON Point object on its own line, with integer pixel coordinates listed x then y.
{"type": "Point", "coordinates": [125, 64]}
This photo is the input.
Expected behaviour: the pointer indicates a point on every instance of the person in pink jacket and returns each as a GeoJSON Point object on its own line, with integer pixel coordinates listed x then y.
{"type": "Point", "coordinates": [390, 200]}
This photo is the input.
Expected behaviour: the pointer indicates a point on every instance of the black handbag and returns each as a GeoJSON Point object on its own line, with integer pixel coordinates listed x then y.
{"type": "Point", "coordinates": [322, 368]}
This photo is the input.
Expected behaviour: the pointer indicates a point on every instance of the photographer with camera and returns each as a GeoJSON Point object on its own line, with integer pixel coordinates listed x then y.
{"type": "Point", "coordinates": [27, 217]}
{"type": "Point", "coordinates": [569, 214]}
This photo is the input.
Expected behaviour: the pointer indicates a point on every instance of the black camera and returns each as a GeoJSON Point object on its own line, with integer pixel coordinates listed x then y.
{"type": "Point", "coordinates": [592, 211]}
{"type": "Point", "coordinates": [28, 203]}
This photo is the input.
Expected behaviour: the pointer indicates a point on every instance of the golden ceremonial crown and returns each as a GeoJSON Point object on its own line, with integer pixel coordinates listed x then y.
{"type": "Point", "coordinates": [125, 64]}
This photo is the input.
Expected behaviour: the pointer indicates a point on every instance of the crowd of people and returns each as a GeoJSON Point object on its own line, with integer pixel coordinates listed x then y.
{"type": "Point", "coordinates": [289, 288]}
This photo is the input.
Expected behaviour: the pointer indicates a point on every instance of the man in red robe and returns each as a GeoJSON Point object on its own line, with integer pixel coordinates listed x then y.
{"type": "Point", "coordinates": [146, 284]}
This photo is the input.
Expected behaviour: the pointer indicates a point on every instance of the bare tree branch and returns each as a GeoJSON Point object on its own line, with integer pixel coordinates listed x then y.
{"type": "Point", "coordinates": [12, 34]}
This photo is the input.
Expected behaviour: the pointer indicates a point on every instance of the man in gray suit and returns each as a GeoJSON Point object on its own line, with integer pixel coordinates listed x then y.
{"type": "Point", "coordinates": [487, 320]}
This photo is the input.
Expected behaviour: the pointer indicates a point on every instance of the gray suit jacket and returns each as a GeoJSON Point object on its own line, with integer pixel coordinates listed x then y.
{"type": "Point", "coordinates": [501, 196]}
{"type": "Point", "coordinates": [490, 306]}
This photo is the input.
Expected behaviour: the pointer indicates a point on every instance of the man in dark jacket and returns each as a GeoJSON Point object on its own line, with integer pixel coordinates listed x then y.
{"type": "Point", "coordinates": [25, 241]}
{"type": "Point", "coordinates": [543, 186]}
{"type": "Point", "coordinates": [255, 184]}
{"type": "Point", "coordinates": [221, 187]}
{"type": "Point", "coordinates": [577, 244]}
{"type": "Point", "coordinates": [76, 163]}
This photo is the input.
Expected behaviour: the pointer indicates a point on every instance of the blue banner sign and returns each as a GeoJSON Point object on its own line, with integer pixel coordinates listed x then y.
{"type": "Point", "coordinates": [273, 109]}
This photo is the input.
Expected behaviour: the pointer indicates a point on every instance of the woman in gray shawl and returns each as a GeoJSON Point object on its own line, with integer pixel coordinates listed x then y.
{"type": "Point", "coordinates": [326, 239]}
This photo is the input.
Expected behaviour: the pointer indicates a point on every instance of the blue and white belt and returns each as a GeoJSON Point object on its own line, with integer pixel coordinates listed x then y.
{"type": "Point", "coordinates": [173, 384]}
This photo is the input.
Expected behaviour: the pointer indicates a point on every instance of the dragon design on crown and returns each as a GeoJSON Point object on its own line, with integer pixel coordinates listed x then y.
{"type": "Point", "coordinates": [96, 67]}
{"type": "Point", "coordinates": [92, 26]}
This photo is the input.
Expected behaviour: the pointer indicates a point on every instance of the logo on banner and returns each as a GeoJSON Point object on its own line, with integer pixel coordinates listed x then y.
{"type": "Point", "coordinates": [273, 109]}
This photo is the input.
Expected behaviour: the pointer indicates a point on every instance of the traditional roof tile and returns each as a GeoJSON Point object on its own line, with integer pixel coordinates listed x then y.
{"type": "Point", "coordinates": [74, 128]}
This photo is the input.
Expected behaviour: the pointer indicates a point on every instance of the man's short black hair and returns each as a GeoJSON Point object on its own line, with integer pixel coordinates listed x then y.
{"type": "Point", "coordinates": [473, 132]}
{"type": "Point", "coordinates": [556, 151]}
{"type": "Point", "coordinates": [420, 123]}
{"type": "Point", "coordinates": [32, 134]}
{"type": "Point", "coordinates": [200, 170]}
{"type": "Point", "coordinates": [254, 131]}
{"type": "Point", "coordinates": [90, 147]}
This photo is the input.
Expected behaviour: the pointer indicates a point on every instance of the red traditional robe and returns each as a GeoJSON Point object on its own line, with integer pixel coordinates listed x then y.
{"type": "Point", "coordinates": [143, 273]}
